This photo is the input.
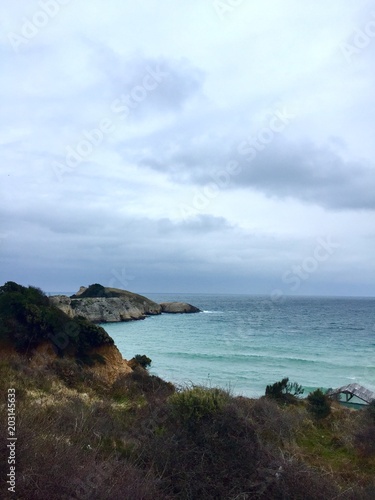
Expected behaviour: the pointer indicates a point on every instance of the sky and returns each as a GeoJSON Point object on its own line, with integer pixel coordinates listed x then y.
{"type": "Point", "coordinates": [198, 146]}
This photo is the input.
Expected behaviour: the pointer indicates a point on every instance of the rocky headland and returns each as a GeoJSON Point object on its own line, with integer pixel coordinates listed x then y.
{"type": "Point", "coordinates": [101, 304]}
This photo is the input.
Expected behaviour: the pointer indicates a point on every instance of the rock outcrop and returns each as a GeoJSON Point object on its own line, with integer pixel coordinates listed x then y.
{"type": "Point", "coordinates": [178, 307]}
{"type": "Point", "coordinates": [105, 305]}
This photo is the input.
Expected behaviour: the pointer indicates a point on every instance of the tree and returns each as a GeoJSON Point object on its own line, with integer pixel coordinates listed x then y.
{"type": "Point", "coordinates": [318, 404]}
{"type": "Point", "coordinates": [284, 390]}
{"type": "Point", "coordinates": [143, 360]}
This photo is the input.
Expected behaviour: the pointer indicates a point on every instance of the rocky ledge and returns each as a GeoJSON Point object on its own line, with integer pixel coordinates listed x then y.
{"type": "Point", "coordinates": [101, 304]}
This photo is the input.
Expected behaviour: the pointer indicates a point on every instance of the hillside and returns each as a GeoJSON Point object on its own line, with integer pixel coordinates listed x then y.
{"type": "Point", "coordinates": [31, 326]}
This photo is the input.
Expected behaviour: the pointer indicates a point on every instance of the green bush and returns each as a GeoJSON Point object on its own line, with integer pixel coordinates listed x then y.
{"type": "Point", "coordinates": [192, 405]}
{"type": "Point", "coordinates": [318, 404]}
{"type": "Point", "coordinates": [284, 391]}
{"type": "Point", "coordinates": [143, 360]}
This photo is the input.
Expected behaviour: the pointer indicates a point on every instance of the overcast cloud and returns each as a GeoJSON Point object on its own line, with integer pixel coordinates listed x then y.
{"type": "Point", "coordinates": [204, 146]}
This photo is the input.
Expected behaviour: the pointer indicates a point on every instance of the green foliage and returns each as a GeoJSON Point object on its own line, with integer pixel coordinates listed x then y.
{"type": "Point", "coordinates": [294, 389]}
{"type": "Point", "coordinates": [143, 360]}
{"type": "Point", "coordinates": [94, 291]}
{"type": "Point", "coordinates": [284, 390]}
{"type": "Point", "coordinates": [27, 320]}
{"type": "Point", "coordinates": [318, 404]}
{"type": "Point", "coordinates": [192, 405]}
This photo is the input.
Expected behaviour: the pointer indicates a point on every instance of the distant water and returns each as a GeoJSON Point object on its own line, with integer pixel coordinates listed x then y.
{"type": "Point", "coordinates": [246, 342]}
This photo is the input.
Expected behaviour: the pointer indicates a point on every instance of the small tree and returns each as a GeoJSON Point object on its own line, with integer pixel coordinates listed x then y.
{"type": "Point", "coordinates": [143, 360]}
{"type": "Point", "coordinates": [284, 390]}
{"type": "Point", "coordinates": [318, 404]}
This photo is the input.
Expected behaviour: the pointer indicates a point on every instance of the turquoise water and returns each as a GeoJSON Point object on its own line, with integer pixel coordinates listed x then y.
{"type": "Point", "coordinates": [243, 342]}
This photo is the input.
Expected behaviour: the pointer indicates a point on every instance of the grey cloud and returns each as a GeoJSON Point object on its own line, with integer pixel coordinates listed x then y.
{"type": "Point", "coordinates": [309, 173]}
{"type": "Point", "coordinates": [282, 169]}
{"type": "Point", "coordinates": [167, 83]}
{"type": "Point", "coordinates": [201, 224]}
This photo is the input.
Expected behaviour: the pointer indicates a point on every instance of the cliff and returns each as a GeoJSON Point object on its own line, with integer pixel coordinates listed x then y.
{"type": "Point", "coordinates": [105, 305]}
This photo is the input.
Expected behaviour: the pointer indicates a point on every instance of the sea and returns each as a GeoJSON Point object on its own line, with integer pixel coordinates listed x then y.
{"type": "Point", "coordinates": [243, 343]}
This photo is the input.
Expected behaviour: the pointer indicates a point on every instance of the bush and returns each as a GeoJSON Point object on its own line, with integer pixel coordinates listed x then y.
{"type": "Point", "coordinates": [215, 459]}
{"type": "Point", "coordinates": [143, 360]}
{"type": "Point", "coordinates": [370, 411]}
{"type": "Point", "coordinates": [318, 404]}
{"type": "Point", "coordinates": [192, 405]}
{"type": "Point", "coordinates": [141, 383]}
{"type": "Point", "coordinates": [284, 391]}
{"type": "Point", "coordinates": [273, 423]}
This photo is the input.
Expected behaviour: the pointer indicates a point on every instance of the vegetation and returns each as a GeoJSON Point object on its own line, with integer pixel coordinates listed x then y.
{"type": "Point", "coordinates": [143, 360]}
{"type": "Point", "coordinates": [318, 404]}
{"type": "Point", "coordinates": [27, 320]}
{"type": "Point", "coordinates": [140, 438]}
{"type": "Point", "coordinates": [284, 391]}
{"type": "Point", "coordinates": [96, 290]}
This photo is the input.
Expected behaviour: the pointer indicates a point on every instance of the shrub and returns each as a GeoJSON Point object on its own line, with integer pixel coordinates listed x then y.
{"type": "Point", "coordinates": [141, 383]}
{"type": "Point", "coordinates": [143, 360]}
{"type": "Point", "coordinates": [365, 441]}
{"type": "Point", "coordinates": [217, 458]}
{"type": "Point", "coordinates": [284, 391]}
{"type": "Point", "coordinates": [274, 423]}
{"type": "Point", "coordinates": [192, 405]}
{"type": "Point", "coordinates": [370, 411]}
{"type": "Point", "coordinates": [318, 404]}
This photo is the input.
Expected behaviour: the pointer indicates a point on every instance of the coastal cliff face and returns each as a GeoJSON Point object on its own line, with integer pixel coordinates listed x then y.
{"type": "Point", "coordinates": [108, 305]}
{"type": "Point", "coordinates": [104, 305]}
{"type": "Point", "coordinates": [114, 364]}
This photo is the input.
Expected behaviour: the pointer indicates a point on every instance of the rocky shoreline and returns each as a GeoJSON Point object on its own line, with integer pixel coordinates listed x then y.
{"type": "Point", "coordinates": [101, 304]}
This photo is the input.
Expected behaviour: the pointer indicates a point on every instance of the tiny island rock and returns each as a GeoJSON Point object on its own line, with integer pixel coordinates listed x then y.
{"type": "Point", "coordinates": [178, 307]}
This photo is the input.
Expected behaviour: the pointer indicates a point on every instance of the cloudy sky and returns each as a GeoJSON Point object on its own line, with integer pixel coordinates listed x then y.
{"type": "Point", "coordinates": [190, 146]}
